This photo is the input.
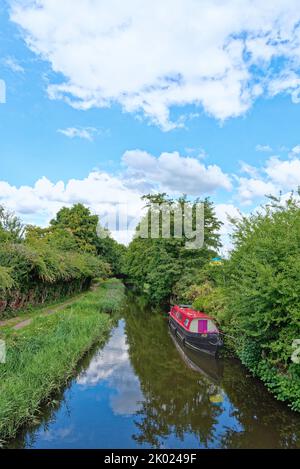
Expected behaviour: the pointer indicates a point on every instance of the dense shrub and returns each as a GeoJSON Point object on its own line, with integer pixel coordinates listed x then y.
{"type": "Point", "coordinates": [161, 267]}
{"type": "Point", "coordinates": [256, 296]}
{"type": "Point", "coordinates": [6, 280]}
{"type": "Point", "coordinates": [264, 296]}
{"type": "Point", "coordinates": [36, 272]}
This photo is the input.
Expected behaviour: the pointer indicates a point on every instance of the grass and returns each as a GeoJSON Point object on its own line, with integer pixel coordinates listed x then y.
{"type": "Point", "coordinates": [110, 303]}
{"type": "Point", "coordinates": [35, 311]}
{"type": "Point", "coordinates": [43, 356]}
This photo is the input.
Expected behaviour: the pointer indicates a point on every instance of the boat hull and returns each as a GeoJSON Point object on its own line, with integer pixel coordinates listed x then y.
{"type": "Point", "coordinates": [210, 344]}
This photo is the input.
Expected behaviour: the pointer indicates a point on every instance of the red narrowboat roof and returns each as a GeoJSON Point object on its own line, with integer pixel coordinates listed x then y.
{"type": "Point", "coordinates": [190, 313]}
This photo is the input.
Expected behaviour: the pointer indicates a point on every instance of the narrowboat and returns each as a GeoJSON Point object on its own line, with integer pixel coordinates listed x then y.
{"type": "Point", "coordinates": [196, 330]}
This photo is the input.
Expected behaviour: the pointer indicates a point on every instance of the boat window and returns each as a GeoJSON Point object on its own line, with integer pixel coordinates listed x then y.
{"type": "Point", "coordinates": [211, 326]}
{"type": "Point", "coordinates": [194, 325]}
{"type": "Point", "coordinates": [186, 323]}
{"type": "Point", "coordinates": [179, 316]}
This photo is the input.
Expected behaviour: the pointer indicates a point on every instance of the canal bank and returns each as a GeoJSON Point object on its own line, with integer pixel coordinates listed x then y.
{"type": "Point", "coordinates": [143, 390]}
{"type": "Point", "coordinates": [42, 356]}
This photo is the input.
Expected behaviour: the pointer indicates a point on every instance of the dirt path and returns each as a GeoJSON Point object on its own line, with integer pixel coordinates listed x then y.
{"type": "Point", "coordinates": [20, 322]}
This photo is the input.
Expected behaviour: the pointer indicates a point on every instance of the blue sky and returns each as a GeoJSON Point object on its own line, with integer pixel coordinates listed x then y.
{"type": "Point", "coordinates": [119, 103]}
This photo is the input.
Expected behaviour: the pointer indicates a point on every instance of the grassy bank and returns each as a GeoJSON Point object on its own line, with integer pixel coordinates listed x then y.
{"type": "Point", "coordinates": [43, 356]}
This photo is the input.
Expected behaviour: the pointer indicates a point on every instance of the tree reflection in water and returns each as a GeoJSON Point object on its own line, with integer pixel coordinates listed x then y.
{"type": "Point", "coordinates": [152, 392]}
{"type": "Point", "coordinates": [184, 395]}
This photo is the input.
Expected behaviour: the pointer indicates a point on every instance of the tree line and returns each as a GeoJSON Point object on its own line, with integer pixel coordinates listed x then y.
{"type": "Point", "coordinates": [46, 264]}
{"type": "Point", "coordinates": [254, 293]}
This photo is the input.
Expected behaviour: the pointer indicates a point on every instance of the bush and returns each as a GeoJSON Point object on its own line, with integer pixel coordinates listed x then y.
{"type": "Point", "coordinates": [255, 296]}
{"type": "Point", "coordinates": [36, 272]}
{"type": "Point", "coordinates": [264, 296]}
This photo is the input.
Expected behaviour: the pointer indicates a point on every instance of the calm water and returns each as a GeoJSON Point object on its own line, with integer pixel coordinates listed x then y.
{"type": "Point", "coordinates": [143, 390]}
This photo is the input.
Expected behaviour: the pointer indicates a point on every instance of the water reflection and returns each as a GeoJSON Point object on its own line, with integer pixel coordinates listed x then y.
{"type": "Point", "coordinates": [112, 365]}
{"type": "Point", "coordinates": [145, 390]}
{"type": "Point", "coordinates": [219, 404]}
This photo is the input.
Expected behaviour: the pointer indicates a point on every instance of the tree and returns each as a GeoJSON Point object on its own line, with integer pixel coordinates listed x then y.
{"type": "Point", "coordinates": [113, 252]}
{"type": "Point", "coordinates": [58, 238]}
{"type": "Point", "coordinates": [11, 227]}
{"type": "Point", "coordinates": [78, 221]}
{"type": "Point", "coordinates": [156, 266]}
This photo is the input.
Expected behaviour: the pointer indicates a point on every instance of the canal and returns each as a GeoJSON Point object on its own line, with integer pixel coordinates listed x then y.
{"type": "Point", "coordinates": [142, 390]}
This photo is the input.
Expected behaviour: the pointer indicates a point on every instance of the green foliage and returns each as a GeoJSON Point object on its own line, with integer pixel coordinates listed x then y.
{"type": "Point", "coordinates": [76, 229]}
{"type": "Point", "coordinates": [43, 357]}
{"type": "Point", "coordinates": [264, 294]}
{"type": "Point", "coordinates": [114, 294]}
{"type": "Point", "coordinates": [6, 281]}
{"type": "Point", "coordinates": [49, 262]}
{"type": "Point", "coordinates": [58, 238]}
{"type": "Point", "coordinates": [256, 295]}
{"type": "Point", "coordinates": [159, 267]}
{"type": "Point", "coordinates": [113, 253]}
{"type": "Point", "coordinates": [40, 262]}
{"type": "Point", "coordinates": [78, 221]}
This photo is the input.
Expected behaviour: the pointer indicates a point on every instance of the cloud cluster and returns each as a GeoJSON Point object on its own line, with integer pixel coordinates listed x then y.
{"type": "Point", "coordinates": [103, 193]}
{"type": "Point", "coordinates": [150, 56]}
{"type": "Point", "coordinates": [108, 194]}
{"type": "Point", "coordinates": [13, 65]}
{"type": "Point", "coordinates": [263, 148]}
{"type": "Point", "coordinates": [86, 133]}
{"type": "Point", "coordinates": [142, 171]}
{"type": "Point", "coordinates": [174, 173]}
{"type": "Point", "coordinates": [277, 175]}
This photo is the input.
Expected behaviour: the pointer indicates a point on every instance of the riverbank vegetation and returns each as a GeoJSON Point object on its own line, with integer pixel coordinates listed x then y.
{"type": "Point", "coordinates": [163, 267]}
{"type": "Point", "coordinates": [39, 265]}
{"type": "Point", "coordinates": [46, 265]}
{"type": "Point", "coordinates": [254, 293]}
{"type": "Point", "coordinates": [44, 355]}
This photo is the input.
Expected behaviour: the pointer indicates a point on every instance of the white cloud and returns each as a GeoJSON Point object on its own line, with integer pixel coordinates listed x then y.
{"type": "Point", "coordinates": [114, 196]}
{"type": "Point", "coordinates": [2, 92]}
{"type": "Point", "coordinates": [277, 175]}
{"type": "Point", "coordinates": [264, 148]}
{"type": "Point", "coordinates": [249, 169]}
{"type": "Point", "coordinates": [224, 212]}
{"type": "Point", "coordinates": [150, 56]}
{"type": "Point", "coordinates": [286, 174]}
{"type": "Point", "coordinates": [251, 189]}
{"type": "Point", "coordinates": [13, 64]}
{"type": "Point", "coordinates": [103, 193]}
{"type": "Point", "coordinates": [87, 133]}
{"type": "Point", "coordinates": [288, 81]}
{"type": "Point", "coordinates": [175, 173]}
{"type": "Point", "coordinates": [295, 151]}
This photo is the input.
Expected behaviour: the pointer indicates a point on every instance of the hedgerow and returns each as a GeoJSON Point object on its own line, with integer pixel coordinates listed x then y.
{"type": "Point", "coordinates": [37, 272]}
{"type": "Point", "coordinates": [256, 296]}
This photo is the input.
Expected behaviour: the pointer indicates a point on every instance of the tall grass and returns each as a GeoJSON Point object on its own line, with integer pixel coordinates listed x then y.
{"type": "Point", "coordinates": [110, 302]}
{"type": "Point", "coordinates": [43, 356]}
